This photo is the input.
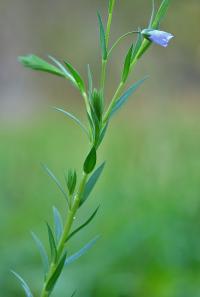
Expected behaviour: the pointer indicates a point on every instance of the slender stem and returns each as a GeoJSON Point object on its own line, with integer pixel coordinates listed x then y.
{"type": "Point", "coordinates": [120, 38]}
{"type": "Point", "coordinates": [69, 222]}
{"type": "Point", "coordinates": [103, 74]}
{"type": "Point", "coordinates": [112, 103]}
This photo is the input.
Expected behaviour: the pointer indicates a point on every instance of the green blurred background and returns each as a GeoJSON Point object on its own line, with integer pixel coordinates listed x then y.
{"type": "Point", "coordinates": [149, 220]}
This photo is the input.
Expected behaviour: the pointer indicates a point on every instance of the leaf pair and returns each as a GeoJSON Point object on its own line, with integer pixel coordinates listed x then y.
{"type": "Point", "coordinates": [58, 226]}
{"type": "Point", "coordinates": [69, 72]}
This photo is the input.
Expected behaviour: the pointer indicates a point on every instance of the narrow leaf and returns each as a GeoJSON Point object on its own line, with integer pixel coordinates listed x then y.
{"type": "Point", "coordinates": [52, 281]}
{"type": "Point", "coordinates": [160, 14]}
{"type": "Point", "coordinates": [102, 38]}
{"type": "Point", "coordinates": [42, 252]}
{"type": "Point", "coordinates": [54, 178]}
{"type": "Point", "coordinates": [92, 182]}
{"type": "Point", "coordinates": [64, 70]}
{"type": "Point", "coordinates": [90, 161]}
{"type": "Point", "coordinates": [123, 99]}
{"type": "Point", "coordinates": [23, 284]}
{"type": "Point", "coordinates": [92, 128]}
{"type": "Point", "coordinates": [81, 252]}
{"type": "Point", "coordinates": [90, 82]}
{"type": "Point", "coordinates": [127, 64]}
{"type": "Point", "coordinates": [52, 244]}
{"type": "Point", "coordinates": [95, 125]}
{"type": "Point", "coordinates": [137, 47]}
{"type": "Point", "coordinates": [58, 223]}
{"type": "Point", "coordinates": [102, 134]}
{"type": "Point", "coordinates": [71, 179]}
{"type": "Point", "coordinates": [152, 14]}
{"type": "Point", "coordinates": [74, 118]}
{"type": "Point", "coordinates": [83, 225]}
{"type": "Point", "coordinates": [73, 294]}
{"type": "Point", "coordinates": [36, 63]}
{"type": "Point", "coordinates": [97, 103]}
{"type": "Point", "coordinates": [76, 76]}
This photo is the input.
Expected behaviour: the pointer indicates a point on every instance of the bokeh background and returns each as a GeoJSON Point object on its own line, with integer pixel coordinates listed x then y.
{"type": "Point", "coordinates": [149, 220]}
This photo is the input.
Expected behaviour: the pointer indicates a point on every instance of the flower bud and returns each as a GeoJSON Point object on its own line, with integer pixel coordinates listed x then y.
{"type": "Point", "coordinates": [159, 37]}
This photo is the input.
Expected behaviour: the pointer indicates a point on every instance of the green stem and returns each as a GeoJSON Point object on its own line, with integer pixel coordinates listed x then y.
{"type": "Point", "coordinates": [69, 222]}
{"type": "Point", "coordinates": [103, 74]}
{"type": "Point", "coordinates": [112, 103]}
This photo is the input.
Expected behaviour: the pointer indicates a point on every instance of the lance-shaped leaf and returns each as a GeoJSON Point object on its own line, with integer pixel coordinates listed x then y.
{"type": "Point", "coordinates": [90, 161]}
{"type": "Point", "coordinates": [81, 252]}
{"type": "Point", "coordinates": [83, 225]}
{"type": "Point", "coordinates": [102, 38]}
{"type": "Point", "coordinates": [74, 118]}
{"type": "Point", "coordinates": [54, 178]}
{"type": "Point", "coordinates": [136, 47]}
{"type": "Point", "coordinates": [123, 99]}
{"type": "Point", "coordinates": [102, 134]}
{"type": "Point", "coordinates": [52, 281]}
{"type": "Point", "coordinates": [64, 70]}
{"type": "Point", "coordinates": [79, 81]}
{"type": "Point", "coordinates": [127, 64]}
{"type": "Point", "coordinates": [92, 182]}
{"type": "Point", "coordinates": [95, 125]}
{"type": "Point", "coordinates": [73, 294]}
{"type": "Point", "coordinates": [90, 82]}
{"type": "Point", "coordinates": [97, 104]}
{"type": "Point", "coordinates": [160, 14]}
{"type": "Point", "coordinates": [71, 179]}
{"type": "Point", "coordinates": [36, 63]}
{"type": "Point", "coordinates": [152, 15]}
{"type": "Point", "coordinates": [57, 223]}
{"type": "Point", "coordinates": [52, 244]}
{"type": "Point", "coordinates": [23, 284]}
{"type": "Point", "coordinates": [42, 251]}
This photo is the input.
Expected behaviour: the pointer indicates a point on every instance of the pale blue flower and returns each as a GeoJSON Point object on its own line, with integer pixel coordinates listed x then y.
{"type": "Point", "coordinates": [159, 37]}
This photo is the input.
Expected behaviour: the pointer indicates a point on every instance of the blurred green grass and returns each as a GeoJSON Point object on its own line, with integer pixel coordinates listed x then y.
{"type": "Point", "coordinates": [149, 195]}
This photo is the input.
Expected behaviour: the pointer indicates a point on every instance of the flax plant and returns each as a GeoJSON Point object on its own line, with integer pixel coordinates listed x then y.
{"type": "Point", "coordinates": [98, 115]}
